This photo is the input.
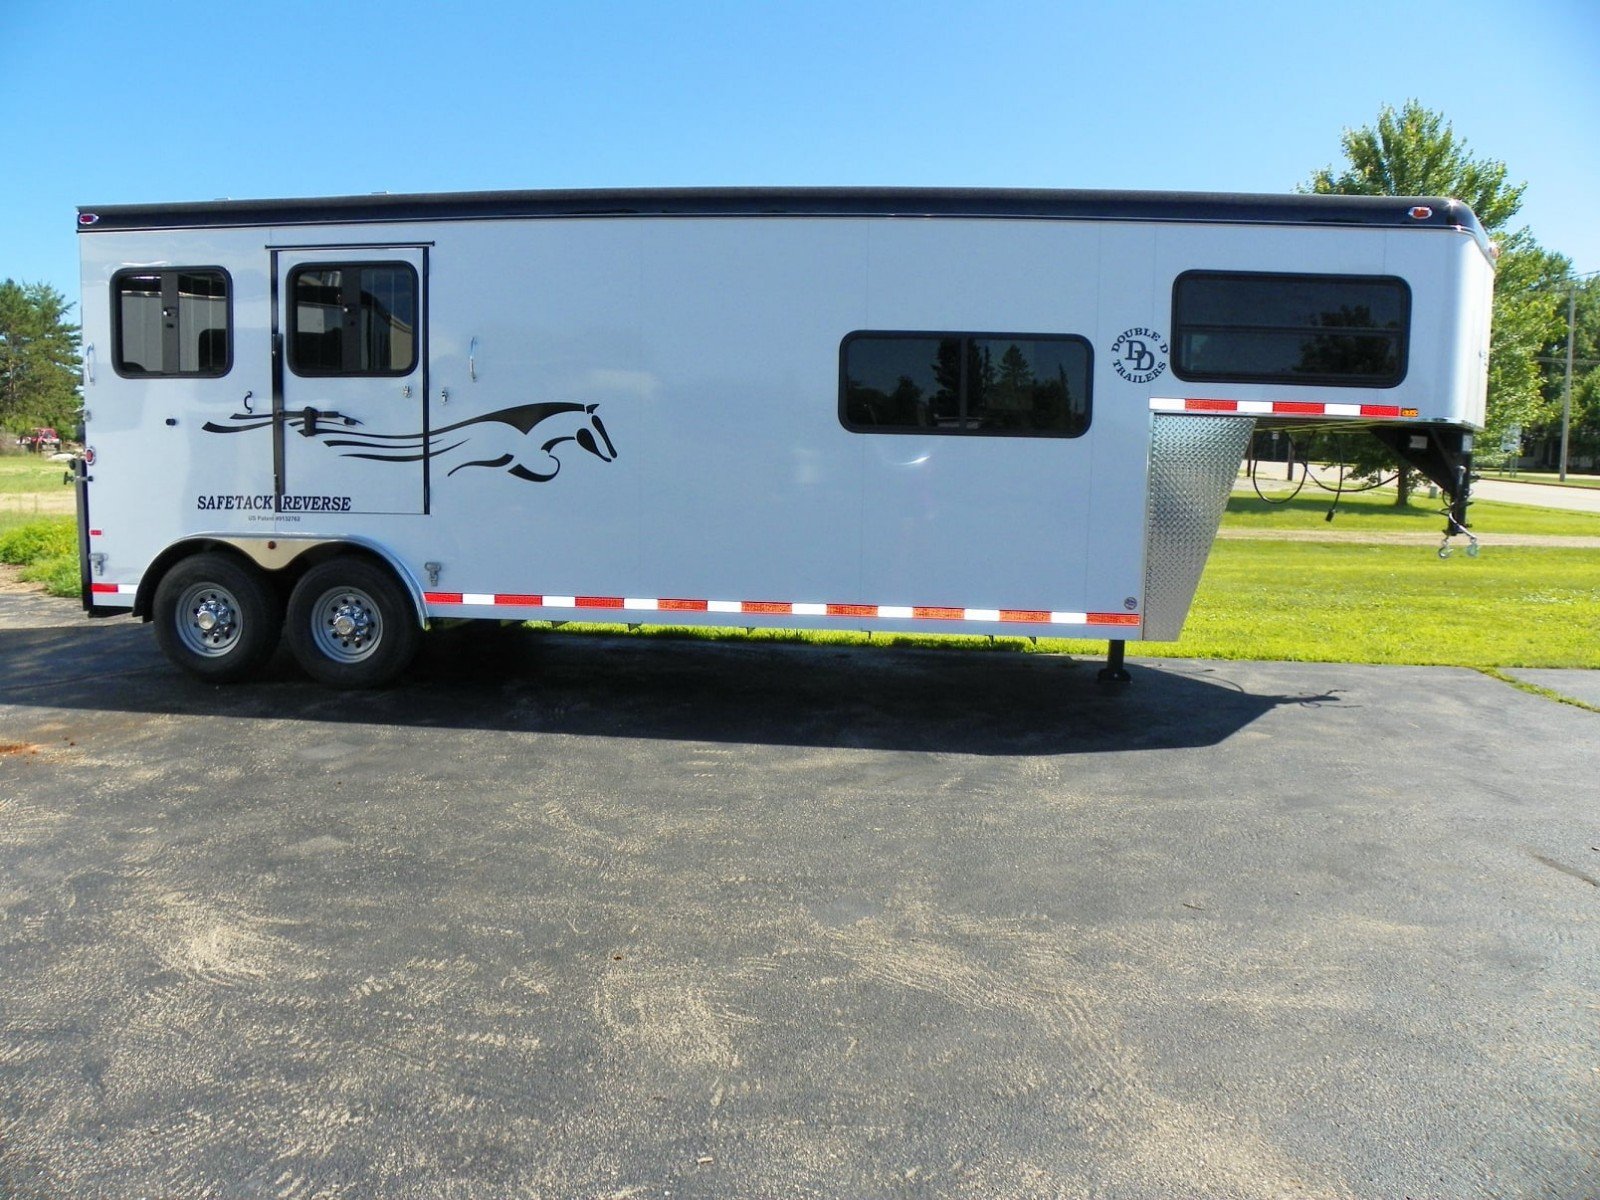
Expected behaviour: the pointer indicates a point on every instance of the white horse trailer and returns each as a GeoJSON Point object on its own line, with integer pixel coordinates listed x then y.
{"type": "Point", "coordinates": [992, 412]}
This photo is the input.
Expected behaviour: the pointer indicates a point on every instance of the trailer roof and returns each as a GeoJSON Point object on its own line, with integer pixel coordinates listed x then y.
{"type": "Point", "coordinates": [1048, 204]}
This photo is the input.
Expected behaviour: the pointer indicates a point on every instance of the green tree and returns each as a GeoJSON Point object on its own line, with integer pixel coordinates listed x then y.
{"type": "Point", "coordinates": [39, 361]}
{"type": "Point", "coordinates": [1413, 151]}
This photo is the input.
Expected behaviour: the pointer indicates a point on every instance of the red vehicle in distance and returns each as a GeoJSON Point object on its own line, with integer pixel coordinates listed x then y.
{"type": "Point", "coordinates": [40, 441]}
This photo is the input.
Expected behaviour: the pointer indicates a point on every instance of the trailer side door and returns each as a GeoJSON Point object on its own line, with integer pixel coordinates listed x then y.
{"type": "Point", "coordinates": [350, 370]}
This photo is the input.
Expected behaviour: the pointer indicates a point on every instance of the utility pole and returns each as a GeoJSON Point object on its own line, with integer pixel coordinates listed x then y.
{"type": "Point", "coordinates": [1566, 390]}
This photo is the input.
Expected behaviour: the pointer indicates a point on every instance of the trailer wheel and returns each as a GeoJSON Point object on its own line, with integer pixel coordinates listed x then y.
{"type": "Point", "coordinates": [351, 625]}
{"type": "Point", "coordinates": [217, 618]}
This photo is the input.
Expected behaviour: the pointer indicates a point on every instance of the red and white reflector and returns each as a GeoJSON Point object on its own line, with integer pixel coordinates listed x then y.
{"type": "Point", "coordinates": [1279, 408]}
{"type": "Point", "coordinates": [536, 603]}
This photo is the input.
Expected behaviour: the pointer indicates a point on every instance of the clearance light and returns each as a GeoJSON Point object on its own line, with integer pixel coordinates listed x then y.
{"type": "Point", "coordinates": [1422, 212]}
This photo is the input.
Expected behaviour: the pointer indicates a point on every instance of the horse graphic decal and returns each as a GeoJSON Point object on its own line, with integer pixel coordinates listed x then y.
{"type": "Point", "coordinates": [511, 438]}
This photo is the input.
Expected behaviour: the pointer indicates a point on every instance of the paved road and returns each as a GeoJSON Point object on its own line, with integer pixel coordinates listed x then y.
{"type": "Point", "coordinates": [581, 917]}
{"type": "Point", "coordinates": [1543, 494]}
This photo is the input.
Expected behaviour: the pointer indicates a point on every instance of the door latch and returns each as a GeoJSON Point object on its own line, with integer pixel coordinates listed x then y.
{"type": "Point", "coordinates": [308, 418]}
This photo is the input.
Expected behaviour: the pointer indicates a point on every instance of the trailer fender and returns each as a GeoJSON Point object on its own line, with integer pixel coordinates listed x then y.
{"type": "Point", "coordinates": [284, 559]}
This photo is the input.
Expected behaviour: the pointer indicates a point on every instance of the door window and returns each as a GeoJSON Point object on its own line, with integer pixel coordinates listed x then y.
{"type": "Point", "coordinates": [353, 319]}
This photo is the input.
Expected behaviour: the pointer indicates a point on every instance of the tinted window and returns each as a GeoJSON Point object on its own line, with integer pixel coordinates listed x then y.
{"type": "Point", "coordinates": [171, 322]}
{"type": "Point", "coordinates": [353, 319]}
{"type": "Point", "coordinates": [1327, 329]}
{"type": "Point", "coordinates": [974, 383]}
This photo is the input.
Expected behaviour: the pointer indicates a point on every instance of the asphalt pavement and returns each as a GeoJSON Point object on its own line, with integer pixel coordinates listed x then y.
{"type": "Point", "coordinates": [567, 916]}
{"type": "Point", "coordinates": [1545, 495]}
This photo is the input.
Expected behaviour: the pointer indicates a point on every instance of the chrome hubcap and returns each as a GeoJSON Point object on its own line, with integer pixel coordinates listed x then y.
{"type": "Point", "coordinates": [208, 620]}
{"type": "Point", "coordinates": [213, 614]}
{"type": "Point", "coordinates": [346, 624]}
{"type": "Point", "coordinates": [350, 622]}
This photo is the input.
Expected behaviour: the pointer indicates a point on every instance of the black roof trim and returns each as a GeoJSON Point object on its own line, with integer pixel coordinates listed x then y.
{"type": "Point", "coordinates": [1215, 207]}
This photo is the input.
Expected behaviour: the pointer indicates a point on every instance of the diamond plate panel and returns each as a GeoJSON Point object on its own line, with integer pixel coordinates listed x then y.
{"type": "Point", "coordinates": [1193, 463]}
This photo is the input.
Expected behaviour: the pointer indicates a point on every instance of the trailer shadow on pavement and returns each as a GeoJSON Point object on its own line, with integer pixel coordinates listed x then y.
{"type": "Point", "coordinates": [965, 702]}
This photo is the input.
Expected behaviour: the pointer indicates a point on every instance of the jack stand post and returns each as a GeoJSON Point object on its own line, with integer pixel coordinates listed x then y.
{"type": "Point", "coordinates": [1114, 671]}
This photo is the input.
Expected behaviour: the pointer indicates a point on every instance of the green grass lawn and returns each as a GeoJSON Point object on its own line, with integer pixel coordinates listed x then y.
{"type": "Point", "coordinates": [28, 473]}
{"type": "Point", "coordinates": [1324, 602]}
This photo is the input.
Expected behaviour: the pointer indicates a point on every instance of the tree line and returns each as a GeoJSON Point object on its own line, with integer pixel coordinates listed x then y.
{"type": "Point", "coordinates": [1409, 151]}
{"type": "Point", "coordinates": [39, 359]}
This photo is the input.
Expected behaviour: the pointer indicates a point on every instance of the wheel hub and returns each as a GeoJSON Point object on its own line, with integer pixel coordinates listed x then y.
{"type": "Point", "coordinates": [350, 622]}
{"type": "Point", "coordinates": [214, 615]}
{"type": "Point", "coordinates": [209, 620]}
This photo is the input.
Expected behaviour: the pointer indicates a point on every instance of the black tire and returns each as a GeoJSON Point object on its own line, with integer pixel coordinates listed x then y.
{"type": "Point", "coordinates": [217, 617]}
{"type": "Point", "coordinates": [351, 624]}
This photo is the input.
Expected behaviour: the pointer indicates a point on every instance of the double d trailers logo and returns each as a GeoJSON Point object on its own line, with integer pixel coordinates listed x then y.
{"type": "Point", "coordinates": [1140, 355]}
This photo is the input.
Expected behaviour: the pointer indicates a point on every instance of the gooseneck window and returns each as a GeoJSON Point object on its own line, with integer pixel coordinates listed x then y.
{"type": "Point", "coordinates": [1249, 327]}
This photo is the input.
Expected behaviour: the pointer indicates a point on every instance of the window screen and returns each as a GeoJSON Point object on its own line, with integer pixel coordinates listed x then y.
{"type": "Point", "coordinates": [353, 319]}
{"type": "Point", "coordinates": [171, 322]}
{"type": "Point", "coordinates": [970, 383]}
{"type": "Point", "coordinates": [1344, 330]}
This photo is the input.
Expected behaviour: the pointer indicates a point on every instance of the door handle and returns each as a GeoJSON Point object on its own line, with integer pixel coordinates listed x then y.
{"type": "Point", "coordinates": [308, 418]}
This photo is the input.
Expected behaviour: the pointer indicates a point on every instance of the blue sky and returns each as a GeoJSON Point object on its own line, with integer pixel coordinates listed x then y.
{"type": "Point", "coordinates": [132, 101]}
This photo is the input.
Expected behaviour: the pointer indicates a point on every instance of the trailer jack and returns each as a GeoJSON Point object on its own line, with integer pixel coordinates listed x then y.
{"type": "Point", "coordinates": [1443, 453]}
{"type": "Point", "coordinates": [1114, 671]}
{"type": "Point", "coordinates": [1450, 531]}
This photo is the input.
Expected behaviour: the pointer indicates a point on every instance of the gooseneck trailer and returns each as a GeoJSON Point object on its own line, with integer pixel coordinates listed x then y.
{"type": "Point", "coordinates": [945, 411]}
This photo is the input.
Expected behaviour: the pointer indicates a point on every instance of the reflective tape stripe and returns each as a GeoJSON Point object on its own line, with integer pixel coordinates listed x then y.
{"type": "Point", "coordinates": [1112, 619]}
{"type": "Point", "coordinates": [1278, 408]}
{"type": "Point", "coordinates": [769, 608]}
{"type": "Point", "coordinates": [1029, 616]}
{"type": "Point", "coordinates": [779, 608]}
{"type": "Point", "coordinates": [114, 589]}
